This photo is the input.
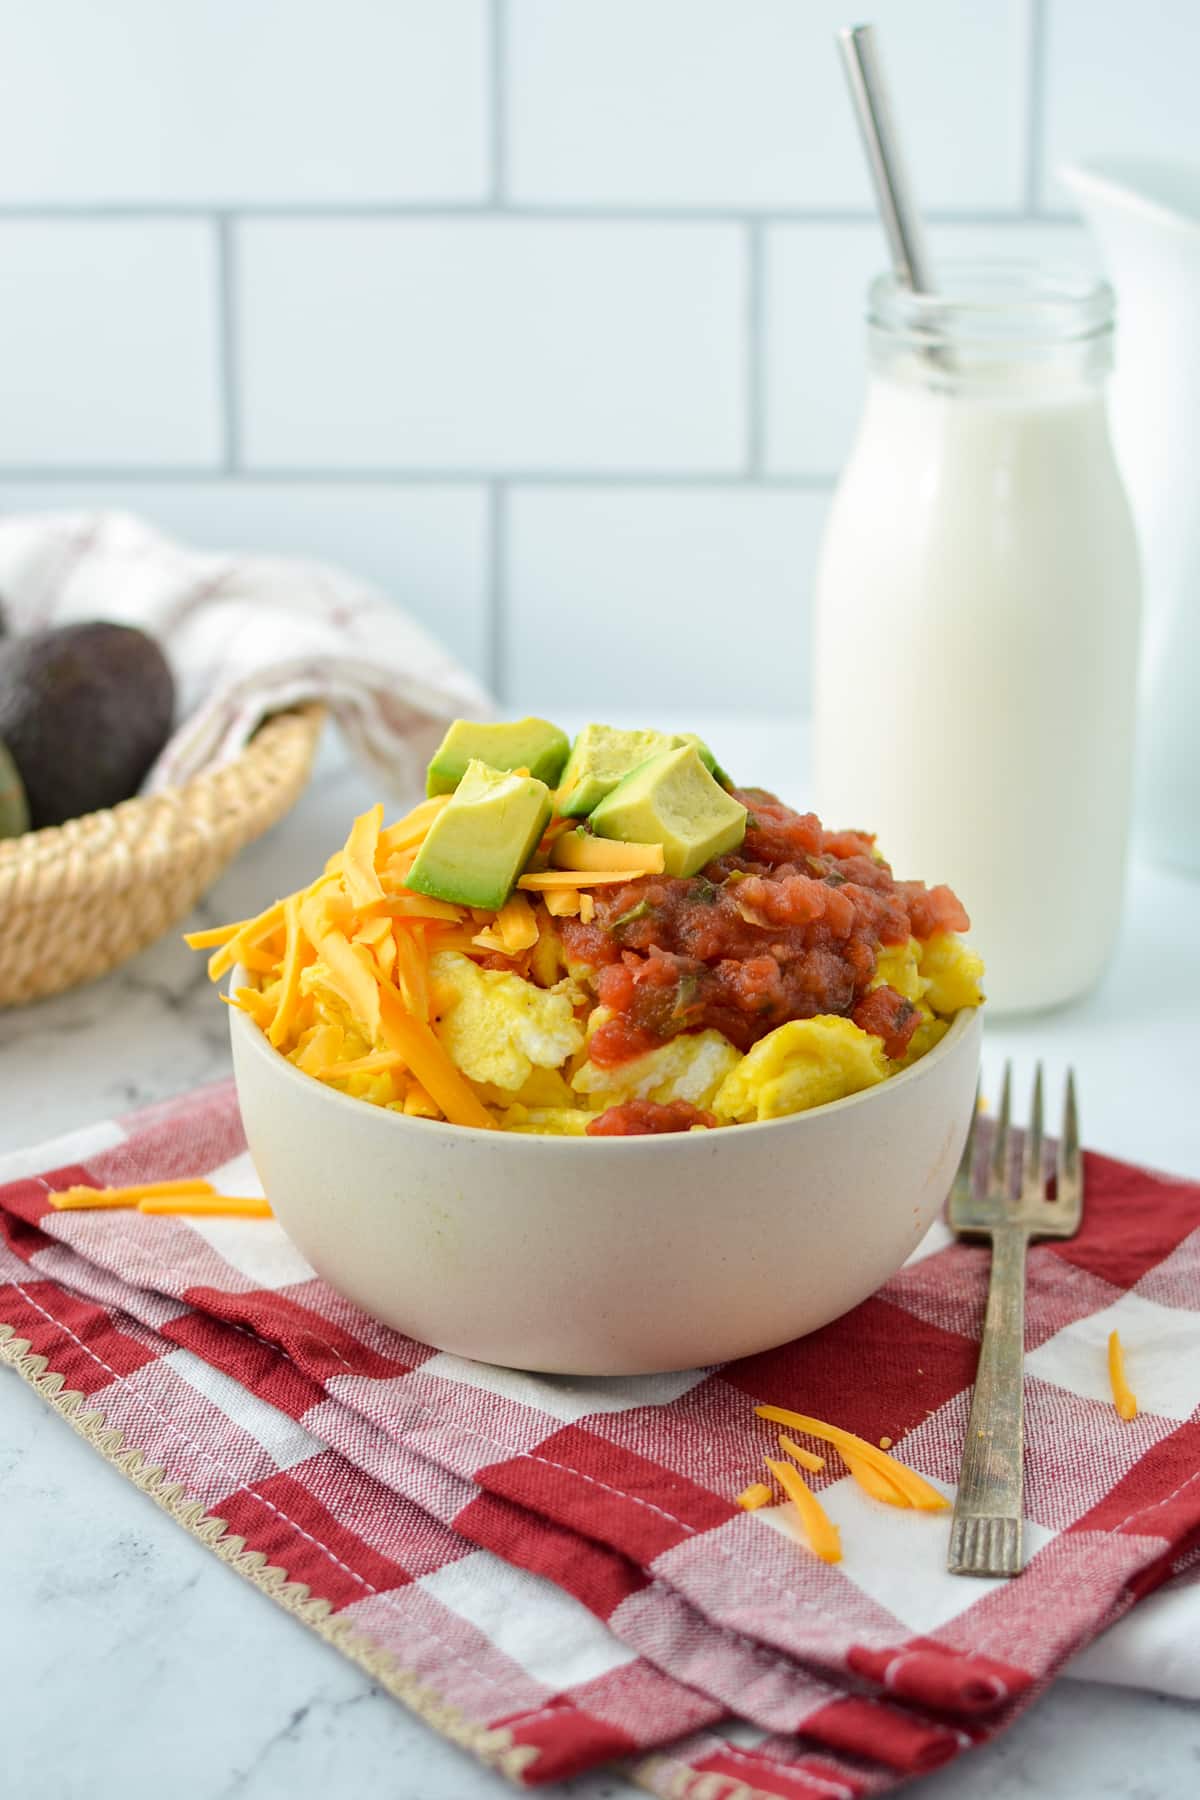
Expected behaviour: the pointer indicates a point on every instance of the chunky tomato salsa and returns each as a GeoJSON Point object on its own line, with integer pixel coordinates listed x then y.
{"type": "Point", "coordinates": [788, 927]}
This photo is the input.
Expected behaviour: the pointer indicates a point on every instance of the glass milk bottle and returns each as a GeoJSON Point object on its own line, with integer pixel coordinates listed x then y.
{"type": "Point", "coordinates": [977, 620]}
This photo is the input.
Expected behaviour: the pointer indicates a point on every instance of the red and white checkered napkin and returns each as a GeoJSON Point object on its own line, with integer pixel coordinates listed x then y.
{"type": "Point", "coordinates": [553, 1571]}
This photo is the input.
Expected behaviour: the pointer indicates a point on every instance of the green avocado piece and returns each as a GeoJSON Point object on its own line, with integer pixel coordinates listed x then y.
{"type": "Point", "coordinates": [672, 800]}
{"type": "Point", "coordinates": [533, 744]}
{"type": "Point", "coordinates": [480, 842]}
{"type": "Point", "coordinates": [600, 757]}
{"type": "Point", "coordinates": [706, 757]}
{"type": "Point", "coordinates": [84, 710]}
{"type": "Point", "coordinates": [14, 807]}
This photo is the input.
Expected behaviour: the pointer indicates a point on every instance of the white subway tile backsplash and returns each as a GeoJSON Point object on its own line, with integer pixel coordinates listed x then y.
{"type": "Point", "coordinates": [742, 103]}
{"type": "Point", "coordinates": [457, 344]}
{"type": "Point", "coordinates": [815, 354]}
{"type": "Point", "coordinates": [425, 547]}
{"type": "Point", "coordinates": [245, 100]}
{"type": "Point", "coordinates": [1120, 79]}
{"type": "Point", "coordinates": [110, 343]}
{"type": "Point", "coordinates": [461, 253]}
{"type": "Point", "coordinates": [658, 599]}
{"type": "Point", "coordinates": [816, 278]}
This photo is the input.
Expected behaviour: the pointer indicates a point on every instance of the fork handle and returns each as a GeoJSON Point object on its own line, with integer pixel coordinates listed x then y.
{"type": "Point", "coordinates": [985, 1538]}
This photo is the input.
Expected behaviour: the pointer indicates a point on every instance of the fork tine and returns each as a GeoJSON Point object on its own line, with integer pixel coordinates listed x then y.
{"type": "Point", "coordinates": [1070, 1167]}
{"type": "Point", "coordinates": [998, 1182]}
{"type": "Point", "coordinates": [1031, 1170]}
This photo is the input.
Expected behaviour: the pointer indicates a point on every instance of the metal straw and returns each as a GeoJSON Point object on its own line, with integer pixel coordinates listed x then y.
{"type": "Point", "coordinates": [901, 220]}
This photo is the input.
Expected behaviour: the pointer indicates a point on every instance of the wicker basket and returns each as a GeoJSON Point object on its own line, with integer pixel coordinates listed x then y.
{"type": "Point", "coordinates": [80, 898]}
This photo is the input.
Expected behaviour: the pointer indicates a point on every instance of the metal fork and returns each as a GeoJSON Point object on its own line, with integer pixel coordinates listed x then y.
{"type": "Point", "coordinates": [985, 1538]}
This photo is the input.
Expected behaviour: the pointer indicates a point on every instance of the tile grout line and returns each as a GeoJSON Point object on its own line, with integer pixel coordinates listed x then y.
{"type": "Point", "coordinates": [756, 351]}
{"type": "Point", "coordinates": [1035, 132]}
{"type": "Point", "coordinates": [498, 100]}
{"type": "Point", "coordinates": [202, 473]}
{"type": "Point", "coordinates": [495, 645]}
{"type": "Point", "coordinates": [227, 339]}
{"type": "Point", "coordinates": [453, 211]}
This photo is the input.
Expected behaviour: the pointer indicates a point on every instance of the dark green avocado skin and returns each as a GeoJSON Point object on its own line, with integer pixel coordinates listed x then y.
{"type": "Point", "coordinates": [14, 812]}
{"type": "Point", "coordinates": [84, 711]}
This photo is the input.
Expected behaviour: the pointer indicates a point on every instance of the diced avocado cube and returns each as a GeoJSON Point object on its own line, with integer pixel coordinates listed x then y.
{"type": "Point", "coordinates": [600, 757]}
{"type": "Point", "coordinates": [672, 800]}
{"type": "Point", "coordinates": [481, 840]}
{"type": "Point", "coordinates": [533, 744]}
{"type": "Point", "coordinates": [706, 757]}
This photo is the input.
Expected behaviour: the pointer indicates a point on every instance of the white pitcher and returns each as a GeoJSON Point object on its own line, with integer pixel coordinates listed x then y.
{"type": "Point", "coordinates": [1146, 218]}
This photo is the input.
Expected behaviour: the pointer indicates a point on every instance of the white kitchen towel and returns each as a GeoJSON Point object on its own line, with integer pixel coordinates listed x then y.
{"type": "Point", "coordinates": [245, 637]}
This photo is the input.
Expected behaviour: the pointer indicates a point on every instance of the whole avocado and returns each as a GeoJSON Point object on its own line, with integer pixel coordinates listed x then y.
{"type": "Point", "coordinates": [14, 808]}
{"type": "Point", "coordinates": [84, 711]}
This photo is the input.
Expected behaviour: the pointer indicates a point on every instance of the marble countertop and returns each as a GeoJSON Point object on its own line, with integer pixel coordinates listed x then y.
{"type": "Point", "coordinates": [137, 1664]}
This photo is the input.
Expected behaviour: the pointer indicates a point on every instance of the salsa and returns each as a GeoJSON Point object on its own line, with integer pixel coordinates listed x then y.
{"type": "Point", "coordinates": [788, 927]}
{"type": "Point", "coordinates": [646, 1118]}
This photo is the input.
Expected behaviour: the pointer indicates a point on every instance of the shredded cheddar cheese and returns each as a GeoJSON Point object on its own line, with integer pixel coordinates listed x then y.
{"type": "Point", "coordinates": [247, 936]}
{"type": "Point", "coordinates": [546, 880]}
{"type": "Point", "coordinates": [873, 1481]}
{"type": "Point", "coordinates": [338, 973]}
{"type": "Point", "coordinates": [564, 903]}
{"type": "Point", "coordinates": [214, 937]}
{"type": "Point", "coordinates": [374, 931]}
{"type": "Point", "coordinates": [232, 1206]}
{"type": "Point", "coordinates": [412, 976]}
{"type": "Point", "coordinates": [756, 1495]}
{"type": "Point", "coordinates": [289, 984]}
{"type": "Point", "coordinates": [417, 1103]}
{"type": "Point", "coordinates": [358, 858]}
{"type": "Point", "coordinates": [487, 939]}
{"type": "Point", "coordinates": [805, 1458]}
{"type": "Point", "coordinates": [817, 1528]}
{"type": "Point", "coordinates": [411, 829]}
{"type": "Point", "coordinates": [89, 1199]}
{"type": "Point", "coordinates": [185, 1196]}
{"type": "Point", "coordinates": [374, 1064]}
{"type": "Point", "coordinates": [1123, 1397]}
{"type": "Point", "coordinates": [580, 851]}
{"type": "Point", "coordinates": [430, 1064]}
{"type": "Point", "coordinates": [417, 906]}
{"type": "Point", "coordinates": [916, 1490]}
{"type": "Point", "coordinates": [517, 925]}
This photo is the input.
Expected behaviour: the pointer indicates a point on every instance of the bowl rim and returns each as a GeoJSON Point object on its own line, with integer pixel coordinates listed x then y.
{"type": "Point", "coordinates": [240, 1021]}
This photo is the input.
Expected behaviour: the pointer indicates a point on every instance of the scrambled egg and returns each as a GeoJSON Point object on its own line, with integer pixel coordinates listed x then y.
{"type": "Point", "coordinates": [899, 966]}
{"type": "Point", "coordinates": [496, 1027]}
{"type": "Point", "coordinates": [547, 1121]}
{"type": "Point", "coordinates": [689, 1067]}
{"type": "Point", "coordinates": [517, 1044]}
{"type": "Point", "coordinates": [513, 1041]}
{"type": "Point", "coordinates": [939, 976]}
{"type": "Point", "coordinates": [953, 973]}
{"type": "Point", "coordinates": [544, 1088]}
{"type": "Point", "coordinates": [807, 1062]}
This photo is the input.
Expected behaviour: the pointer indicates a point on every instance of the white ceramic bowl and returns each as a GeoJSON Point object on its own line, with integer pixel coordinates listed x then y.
{"type": "Point", "coordinates": [607, 1256]}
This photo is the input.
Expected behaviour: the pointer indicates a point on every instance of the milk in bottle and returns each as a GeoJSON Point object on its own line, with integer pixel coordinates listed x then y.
{"type": "Point", "coordinates": [977, 619]}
